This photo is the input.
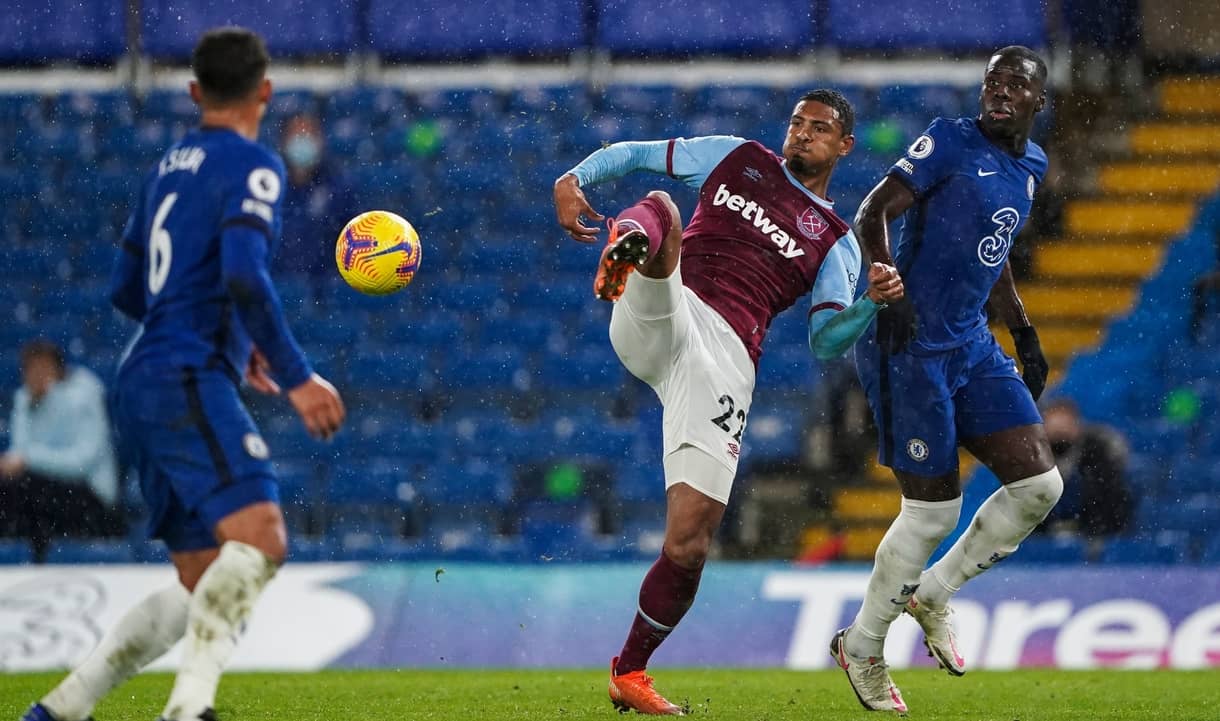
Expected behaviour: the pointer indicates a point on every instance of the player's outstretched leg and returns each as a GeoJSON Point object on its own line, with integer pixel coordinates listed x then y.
{"type": "Point", "coordinates": [999, 526]}
{"type": "Point", "coordinates": [640, 237]}
{"type": "Point", "coordinates": [140, 637]}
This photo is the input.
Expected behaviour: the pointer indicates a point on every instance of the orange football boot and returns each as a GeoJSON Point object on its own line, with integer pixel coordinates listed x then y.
{"type": "Point", "coordinates": [626, 248]}
{"type": "Point", "coordinates": [634, 691]}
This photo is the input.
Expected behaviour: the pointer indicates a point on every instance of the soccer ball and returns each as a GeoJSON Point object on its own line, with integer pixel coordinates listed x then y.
{"type": "Point", "coordinates": [378, 252]}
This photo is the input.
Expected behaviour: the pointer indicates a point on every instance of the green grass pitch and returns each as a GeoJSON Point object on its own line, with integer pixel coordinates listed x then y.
{"type": "Point", "coordinates": [751, 695]}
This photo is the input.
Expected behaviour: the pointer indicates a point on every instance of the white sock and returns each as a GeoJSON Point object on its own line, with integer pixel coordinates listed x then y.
{"type": "Point", "coordinates": [140, 637]}
{"type": "Point", "coordinates": [902, 554]}
{"type": "Point", "coordinates": [222, 602]}
{"type": "Point", "coordinates": [1002, 522]}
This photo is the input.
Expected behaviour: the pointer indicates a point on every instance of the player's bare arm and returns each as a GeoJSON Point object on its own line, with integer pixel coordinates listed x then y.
{"type": "Point", "coordinates": [571, 207]}
{"type": "Point", "coordinates": [1006, 303]}
{"type": "Point", "coordinates": [887, 200]}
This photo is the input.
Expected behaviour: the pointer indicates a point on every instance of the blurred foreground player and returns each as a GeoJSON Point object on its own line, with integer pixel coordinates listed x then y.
{"type": "Point", "coordinates": [193, 269]}
{"type": "Point", "coordinates": [935, 375]}
{"type": "Point", "coordinates": [693, 307]}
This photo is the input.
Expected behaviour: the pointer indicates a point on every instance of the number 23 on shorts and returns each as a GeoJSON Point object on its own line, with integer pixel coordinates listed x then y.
{"type": "Point", "coordinates": [730, 418]}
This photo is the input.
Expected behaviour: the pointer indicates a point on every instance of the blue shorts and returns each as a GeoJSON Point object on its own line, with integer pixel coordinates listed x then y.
{"type": "Point", "coordinates": [199, 454]}
{"type": "Point", "coordinates": [924, 404]}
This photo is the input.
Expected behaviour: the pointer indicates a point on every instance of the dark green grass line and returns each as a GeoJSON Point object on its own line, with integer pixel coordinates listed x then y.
{"type": "Point", "coordinates": [574, 695]}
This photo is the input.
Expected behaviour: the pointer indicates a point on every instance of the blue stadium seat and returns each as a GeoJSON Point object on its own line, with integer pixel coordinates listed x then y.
{"type": "Point", "coordinates": [1211, 551]}
{"type": "Point", "coordinates": [151, 552]}
{"type": "Point", "coordinates": [675, 27]}
{"type": "Point", "coordinates": [89, 551]}
{"type": "Point", "coordinates": [13, 551]}
{"type": "Point", "coordinates": [431, 329]}
{"type": "Point", "coordinates": [170, 28]}
{"type": "Point", "coordinates": [1127, 551]}
{"type": "Point", "coordinates": [495, 367]}
{"type": "Point", "coordinates": [81, 31]}
{"type": "Point", "coordinates": [311, 549]}
{"type": "Point", "coordinates": [388, 369]}
{"type": "Point", "coordinates": [557, 294]}
{"type": "Point", "coordinates": [771, 437]}
{"type": "Point", "coordinates": [786, 368]}
{"type": "Point", "coordinates": [610, 442]}
{"type": "Point", "coordinates": [469, 295]}
{"type": "Point", "coordinates": [641, 481]}
{"type": "Point", "coordinates": [914, 24]}
{"type": "Point", "coordinates": [1190, 474]}
{"type": "Point", "coordinates": [528, 331]}
{"type": "Point", "coordinates": [1043, 549]}
{"type": "Point", "coordinates": [383, 481]}
{"type": "Point", "coordinates": [589, 367]}
{"type": "Point", "coordinates": [925, 101]}
{"type": "Point", "coordinates": [563, 532]}
{"type": "Point", "coordinates": [475, 482]}
{"type": "Point", "coordinates": [432, 29]}
{"type": "Point", "coordinates": [491, 436]}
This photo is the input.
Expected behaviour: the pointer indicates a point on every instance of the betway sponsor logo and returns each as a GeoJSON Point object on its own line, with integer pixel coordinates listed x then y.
{"type": "Point", "coordinates": [1114, 632]}
{"type": "Point", "coordinates": [757, 215]}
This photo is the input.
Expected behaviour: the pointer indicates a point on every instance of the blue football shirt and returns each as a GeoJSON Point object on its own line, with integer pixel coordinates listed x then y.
{"type": "Point", "coordinates": [205, 223]}
{"type": "Point", "coordinates": [972, 198]}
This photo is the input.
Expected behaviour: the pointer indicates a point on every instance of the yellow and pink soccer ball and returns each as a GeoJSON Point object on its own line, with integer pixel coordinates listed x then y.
{"type": "Point", "coordinates": [378, 252]}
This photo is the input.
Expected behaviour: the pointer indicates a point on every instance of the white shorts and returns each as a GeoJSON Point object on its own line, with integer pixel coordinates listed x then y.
{"type": "Point", "coordinates": [670, 339]}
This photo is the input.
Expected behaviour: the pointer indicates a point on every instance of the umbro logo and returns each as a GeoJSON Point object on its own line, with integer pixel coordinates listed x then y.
{"type": "Point", "coordinates": [985, 173]}
{"type": "Point", "coordinates": [752, 173]}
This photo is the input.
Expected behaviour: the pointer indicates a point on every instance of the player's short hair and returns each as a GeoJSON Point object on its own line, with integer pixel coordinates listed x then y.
{"type": "Point", "coordinates": [43, 348]}
{"type": "Point", "coordinates": [1024, 53]}
{"type": "Point", "coordinates": [229, 63]}
{"type": "Point", "coordinates": [836, 101]}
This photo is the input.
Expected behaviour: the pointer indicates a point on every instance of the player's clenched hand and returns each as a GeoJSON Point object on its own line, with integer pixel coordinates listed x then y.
{"type": "Point", "coordinates": [258, 374]}
{"type": "Point", "coordinates": [571, 206]}
{"type": "Point", "coordinates": [1034, 367]}
{"type": "Point", "coordinates": [884, 284]}
{"type": "Point", "coordinates": [319, 405]}
{"type": "Point", "coordinates": [896, 326]}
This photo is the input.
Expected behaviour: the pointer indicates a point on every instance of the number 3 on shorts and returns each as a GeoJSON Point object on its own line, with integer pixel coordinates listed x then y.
{"type": "Point", "coordinates": [722, 420]}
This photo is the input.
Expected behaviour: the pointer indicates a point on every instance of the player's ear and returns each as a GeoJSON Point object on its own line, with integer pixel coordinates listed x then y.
{"type": "Point", "coordinates": [196, 93]}
{"type": "Point", "coordinates": [849, 142]}
{"type": "Point", "coordinates": [264, 91]}
{"type": "Point", "coordinates": [1038, 106]}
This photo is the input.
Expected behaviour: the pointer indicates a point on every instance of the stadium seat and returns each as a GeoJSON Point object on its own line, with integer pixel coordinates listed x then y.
{"type": "Point", "coordinates": [563, 532]}
{"type": "Point", "coordinates": [80, 31]}
{"type": "Point", "coordinates": [646, 27]}
{"type": "Point", "coordinates": [170, 28]}
{"type": "Point", "coordinates": [90, 551]}
{"type": "Point", "coordinates": [926, 101]}
{"type": "Point", "coordinates": [639, 482]}
{"type": "Point", "coordinates": [474, 483]}
{"type": "Point", "coordinates": [13, 551]}
{"type": "Point", "coordinates": [1128, 551]}
{"type": "Point", "coordinates": [887, 24]}
{"type": "Point", "coordinates": [432, 30]}
{"type": "Point", "coordinates": [1044, 549]}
